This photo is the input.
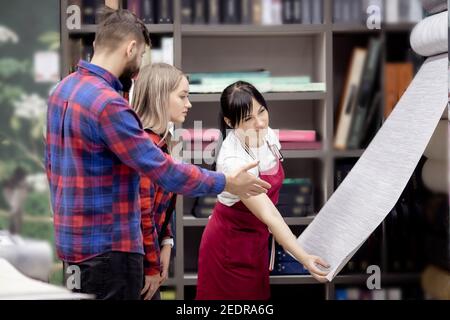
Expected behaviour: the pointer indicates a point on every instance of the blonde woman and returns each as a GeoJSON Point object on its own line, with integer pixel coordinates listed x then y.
{"type": "Point", "coordinates": [160, 96]}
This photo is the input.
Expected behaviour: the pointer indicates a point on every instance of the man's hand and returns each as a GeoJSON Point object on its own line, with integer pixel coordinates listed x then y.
{"type": "Point", "coordinates": [244, 184]}
{"type": "Point", "coordinates": [165, 262]}
{"type": "Point", "coordinates": [151, 285]}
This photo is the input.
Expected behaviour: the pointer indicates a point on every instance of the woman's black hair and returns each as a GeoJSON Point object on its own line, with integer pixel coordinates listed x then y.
{"type": "Point", "coordinates": [236, 104]}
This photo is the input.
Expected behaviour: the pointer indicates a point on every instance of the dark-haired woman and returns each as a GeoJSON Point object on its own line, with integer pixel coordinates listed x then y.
{"type": "Point", "coordinates": [234, 254]}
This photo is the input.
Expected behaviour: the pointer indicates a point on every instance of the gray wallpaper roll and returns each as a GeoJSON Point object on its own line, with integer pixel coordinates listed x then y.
{"type": "Point", "coordinates": [434, 6]}
{"type": "Point", "coordinates": [429, 37]}
{"type": "Point", "coordinates": [377, 180]}
{"type": "Point", "coordinates": [437, 147]}
{"type": "Point", "coordinates": [434, 177]}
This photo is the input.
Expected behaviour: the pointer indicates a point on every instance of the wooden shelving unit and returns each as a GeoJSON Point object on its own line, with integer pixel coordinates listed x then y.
{"type": "Point", "coordinates": [290, 49]}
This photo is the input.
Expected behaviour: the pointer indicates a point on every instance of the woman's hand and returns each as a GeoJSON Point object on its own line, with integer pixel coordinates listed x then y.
{"type": "Point", "coordinates": [165, 263]}
{"type": "Point", "coordinates": [151, 285]}
{"type": "Point", "coordinates": [311, 263]}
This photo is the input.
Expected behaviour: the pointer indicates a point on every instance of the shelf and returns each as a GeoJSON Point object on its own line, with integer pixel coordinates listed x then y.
{"type": "Point", "coordinates": [399, 27]}
{"type": "Point", "coordinates": [251, 30]}
{"type": "Point", "coordinates": [353, 28]}
{"type": "Point", "coordinates": [348, 153]}
{"type": "Point", "coordinates": [360, 28]}
{"type": "Point", "coordinates": [287, 154]}
{"type": "Point", "coordinates": [85, 29]}
{"type": "Point", "coordinates": [303, 154]}
{"type": "Point", "coordinates": [299, 221]}
{"type": "Point", "coordinates": [388, 278]}
{"type": "Point", "coordinates": [170, 282]}
{"type": "Point", "coordinates": [293, 279]}
{"type": "Point", "coordinates": [191, 221]}
{"type": "Point", "coordinates": [152, 28]}
{"type": "Point", "coordinates": [270, 96]}
{"type": "Point", "coordinates": [190, 279]}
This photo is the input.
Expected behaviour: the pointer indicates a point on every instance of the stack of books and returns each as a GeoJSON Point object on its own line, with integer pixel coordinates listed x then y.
{"type": "Point", "coordinates": [285, 264]}
{"type": "Point", "coordinates": [298, 140]}
{"type": "Point", "coordinates": [257, 12]}
{"type": "Point", "coordinates": [296, 198]}
{"type": "Point", "coordinates": [392, 11]}
{"type": "Point", "coordinates": [203, 207]}
{"type": "Point", "coordinates": [152, 11]}
{"type": "Point", "coordinates": [216, 82]}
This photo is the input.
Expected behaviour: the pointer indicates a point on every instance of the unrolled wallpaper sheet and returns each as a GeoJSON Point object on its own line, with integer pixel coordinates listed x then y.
{"type": "Point", "coordinates": [16, 286]}
{"type": "Point", "coordinates": [377, 180]}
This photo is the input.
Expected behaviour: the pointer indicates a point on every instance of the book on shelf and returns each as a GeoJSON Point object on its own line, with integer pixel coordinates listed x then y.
{"type": "Point", "coordinates": [352, 293]}
{"type": "Point", "coordinates": [349, 97]}
{"type": "Point", "coordinates": [165, 11]}
{"type": "Point", "coordinates": [246, 12]}
{"type": "Point", "coordinates": [397, 78]}
{"type": "Point", "coordinates": [79, 49]}
{"type": "Point", "coordinates": [113, 4]}
{"type": "Point", "coordinates": [403, 11]}
{"type": "Point", "coordinates": [296, 135]}
{"type": "Point", "coordinates": [295, 210]}
{"type": "Point", "coordinates": [285, 264]}
{"type": "Point", "coordinates": [148, 11]}
{"type": "Point", "coordinates": [296, 198]}
{"type": "Point", "coordinates": [257, 12]}
{"type": "Point", "coordinates": [316, 11]}
{"type": "Point", "coordinates": [374, 120]}
{"type": "Point", "coordinates": [262, 80]}
{"type": "Point", "coordinates": [203, 206]}
{"type": "Point", "coordinates": [342, 168]}
{"type": "Point", "coordinates": [187, 11]}
{"type": "Point", "coordinates": [365, 94]}
{"type": "Point", "coordinates": [302, 145]}
{"type": "Point", "coordinates": [392, 11]}
{"type": "Point", "coordinates": [288, 11]}
{"type": "Point", "coordinates": [163, 52]}
{"type": "Point", "coordinates": [213, 11]}
{"type": "Point", "coordinates": [135, 6]}
{"type": "Point", "coordinates": [230, 12]}
{"type": "Point", "coordinates": [152, 11]}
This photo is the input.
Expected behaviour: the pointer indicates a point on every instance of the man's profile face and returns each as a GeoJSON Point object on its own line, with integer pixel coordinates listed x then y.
{"type": "Point", "coordinates": [132, 67]}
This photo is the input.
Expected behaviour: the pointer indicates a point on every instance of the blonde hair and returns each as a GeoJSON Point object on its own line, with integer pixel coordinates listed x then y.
{"type": "Point", "coordinates": [151, 96]}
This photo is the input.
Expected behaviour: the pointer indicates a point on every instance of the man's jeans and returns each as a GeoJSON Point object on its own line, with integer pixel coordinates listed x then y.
{"type": "Point", "coordinates": [113, 275]}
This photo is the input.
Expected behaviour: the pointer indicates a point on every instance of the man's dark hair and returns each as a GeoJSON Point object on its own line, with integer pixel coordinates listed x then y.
{"type": "Point", "coordinates": [115, 26]}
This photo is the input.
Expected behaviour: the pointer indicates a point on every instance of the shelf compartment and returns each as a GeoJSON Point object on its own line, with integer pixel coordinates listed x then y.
{"type": "Point", "coordinates": [152, 28]}
{"type": "Point", "coordinates": [191, 221]}
{"type": "Point", "coordinates": [251, 30]}
{"type": "Point", "coordinates": [281, 55]}
{"type": "Point", "coordinates": [270, 96]}
{"type": "Point", "coordinates": [191, 279]}
{"type": "Point", "coordinates": [348, 153]}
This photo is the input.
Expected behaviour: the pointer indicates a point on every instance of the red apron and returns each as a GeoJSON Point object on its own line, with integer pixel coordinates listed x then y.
{"type": "Point", "coordinates": [234, 254]}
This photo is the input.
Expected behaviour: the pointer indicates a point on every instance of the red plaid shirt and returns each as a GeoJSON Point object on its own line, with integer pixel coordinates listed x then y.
{"type": "Point", "coordinates": [95, 152]}
{"type": "Point", "coordinates": [154, 204]}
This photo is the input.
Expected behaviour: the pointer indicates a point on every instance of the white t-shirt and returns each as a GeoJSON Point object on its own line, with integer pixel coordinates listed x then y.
{"type": "Point", "coordinates": [232, 156]}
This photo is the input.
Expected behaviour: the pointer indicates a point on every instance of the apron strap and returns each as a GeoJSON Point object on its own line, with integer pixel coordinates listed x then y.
{"type": "Point", "coordinates": [272, 254]}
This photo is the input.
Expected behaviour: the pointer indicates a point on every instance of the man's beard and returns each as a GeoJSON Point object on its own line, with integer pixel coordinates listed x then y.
{"type": "Point", "coordinates": [130, 72]}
